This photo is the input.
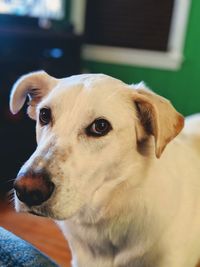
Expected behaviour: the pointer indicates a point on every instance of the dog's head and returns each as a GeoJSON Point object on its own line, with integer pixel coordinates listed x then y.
{"type": "Point", "coordinates": [93, 132]}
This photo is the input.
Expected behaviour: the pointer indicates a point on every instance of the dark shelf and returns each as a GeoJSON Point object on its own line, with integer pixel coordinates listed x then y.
{"type": "Point", "coordinates": [23, 50]}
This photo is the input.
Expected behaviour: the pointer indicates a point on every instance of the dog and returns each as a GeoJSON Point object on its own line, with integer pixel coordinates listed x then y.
{"type": "Point", "coordinates": [113, 168]}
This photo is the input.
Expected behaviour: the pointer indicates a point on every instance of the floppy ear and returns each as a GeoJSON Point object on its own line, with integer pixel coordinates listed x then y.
{"type": "Point", "coordinates": [158, 118]}
{"type": "Point", "coordinates": [35, 85]}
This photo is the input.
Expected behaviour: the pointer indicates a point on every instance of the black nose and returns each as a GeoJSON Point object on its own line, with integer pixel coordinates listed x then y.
{"type": "Point", "coordinates": [33, 188]}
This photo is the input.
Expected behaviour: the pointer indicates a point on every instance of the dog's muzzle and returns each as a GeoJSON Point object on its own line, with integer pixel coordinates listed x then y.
{"type": "Point", "coordinates": [33, 188]}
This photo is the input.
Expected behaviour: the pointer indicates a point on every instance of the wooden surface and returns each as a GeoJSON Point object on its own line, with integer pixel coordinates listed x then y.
{"type": "Point", "coordinates": [41, 232]}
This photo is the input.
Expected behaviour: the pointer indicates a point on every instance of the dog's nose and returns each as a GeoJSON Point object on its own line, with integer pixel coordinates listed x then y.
{"type": "Point", "coordinates": [33, 188]}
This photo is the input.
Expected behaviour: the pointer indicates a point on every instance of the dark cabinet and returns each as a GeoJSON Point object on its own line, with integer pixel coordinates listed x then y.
{"type": "Point", "coordinates": [23, 51]}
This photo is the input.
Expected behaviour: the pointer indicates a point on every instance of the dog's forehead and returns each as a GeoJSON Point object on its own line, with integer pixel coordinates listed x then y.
{"type": "Point", "coordinates": [83, 98]}
{"type": "Point", "coordinates": [86, 89]}
{"type": "Point", "coordinates": [91, 84]}
{"type": "Point", "coordinates": [91, 80]}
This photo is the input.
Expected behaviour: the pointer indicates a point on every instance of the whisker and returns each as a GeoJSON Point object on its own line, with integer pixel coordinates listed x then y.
{"type": "Point", "coordinates": [10, 196]}
{"type": "Point", "coordinates": [11, 202]}
{"type": "Point", "coordinates": [10, 192]}
{"type": "Point", "coordinates": [9, 181]}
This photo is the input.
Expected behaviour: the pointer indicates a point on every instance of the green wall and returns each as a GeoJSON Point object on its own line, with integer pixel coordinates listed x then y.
{"type": "Point", "coordinates": [181, 87]}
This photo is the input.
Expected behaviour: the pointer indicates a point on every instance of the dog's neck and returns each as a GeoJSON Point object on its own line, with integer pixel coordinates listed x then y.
{"type": "Point", "coordinates": [101, 245]}
{"type": "Point", "coordinates": [109, 233]}
{"type": "Point", "coordinates": [94, 237]}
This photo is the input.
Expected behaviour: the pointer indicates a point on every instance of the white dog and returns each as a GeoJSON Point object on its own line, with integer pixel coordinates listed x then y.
{"type": "Point", "coordinates": [101, 170]}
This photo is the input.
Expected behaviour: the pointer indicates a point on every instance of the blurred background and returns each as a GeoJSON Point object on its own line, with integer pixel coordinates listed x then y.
{"type": "Point", "coordinates": [133, 40]}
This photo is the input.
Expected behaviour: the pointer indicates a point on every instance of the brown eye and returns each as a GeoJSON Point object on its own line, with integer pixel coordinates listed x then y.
{"type": "Point", "coordinates": [45, 116]}
{"type": "Point", "coordinates": [98, 128]}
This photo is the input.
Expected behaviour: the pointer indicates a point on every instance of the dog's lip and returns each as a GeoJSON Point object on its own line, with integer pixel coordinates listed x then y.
{"type": "Point", "coordinates": [36, 213]}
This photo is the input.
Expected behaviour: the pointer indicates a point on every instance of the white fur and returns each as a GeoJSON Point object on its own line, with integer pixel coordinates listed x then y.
{"type": "Point", "coordinates": [117, 206]}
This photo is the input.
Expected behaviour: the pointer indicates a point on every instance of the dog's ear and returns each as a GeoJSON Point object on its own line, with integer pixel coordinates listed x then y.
{"type": "Point", "coordinates": [35, 85]}
{"type": "Point", "coordinates": [158, 118]}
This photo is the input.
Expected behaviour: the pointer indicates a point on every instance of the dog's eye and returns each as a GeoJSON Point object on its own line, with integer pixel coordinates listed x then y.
{"type": "Point", "coordinates": [99, 127]}
{"type": "Point", "coordinates": [45, 116]}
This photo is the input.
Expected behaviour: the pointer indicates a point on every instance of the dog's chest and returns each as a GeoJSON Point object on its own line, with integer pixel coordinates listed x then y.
{"type": "Point", "coordinates": [96, 239]}
{"type": "Point", "coordinates": [102, 245]}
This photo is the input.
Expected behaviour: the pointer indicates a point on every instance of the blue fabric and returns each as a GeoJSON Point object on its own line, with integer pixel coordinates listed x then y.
{"type": "Point", "coordinates": [15, 252]}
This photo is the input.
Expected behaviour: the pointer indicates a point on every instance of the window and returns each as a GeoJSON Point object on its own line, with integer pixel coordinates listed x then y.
{"type": "Point", "coordinates": [33, 8]}
{"type": "Point", "coordinates": [141, 24]}
{"type": "Point", "coordinates": [146, 33]}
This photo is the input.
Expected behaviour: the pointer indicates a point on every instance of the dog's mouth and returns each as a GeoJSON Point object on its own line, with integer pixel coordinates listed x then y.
{"type": "Point", "coordinates": [36, 213]}
{"type": "Point", "coordinates": [42, 211]}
